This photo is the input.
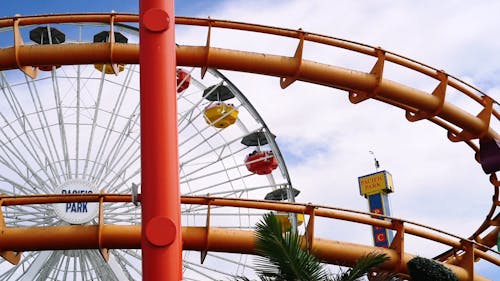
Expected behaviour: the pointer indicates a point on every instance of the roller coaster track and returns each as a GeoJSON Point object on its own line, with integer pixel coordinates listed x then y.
{"type": "Point", "coordinates": [460, 125]}
{"type": "Point", "coordinates": [105, 236]}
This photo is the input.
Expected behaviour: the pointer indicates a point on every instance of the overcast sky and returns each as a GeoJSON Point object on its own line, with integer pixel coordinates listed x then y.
{"type": "Point", "coordinates": [325, 139]}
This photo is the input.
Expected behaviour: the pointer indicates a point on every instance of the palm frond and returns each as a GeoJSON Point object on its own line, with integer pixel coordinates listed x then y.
{"type": "Point", "coordinates": [282, 257]}
{"type": "Point", "coordinates": [362, 267]}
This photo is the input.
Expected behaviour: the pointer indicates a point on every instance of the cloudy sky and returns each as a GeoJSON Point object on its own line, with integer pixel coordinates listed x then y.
{"type": "Point", "coordinates": [324, 138]}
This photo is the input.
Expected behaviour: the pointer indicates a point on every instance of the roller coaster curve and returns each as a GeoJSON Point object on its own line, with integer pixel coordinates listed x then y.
{"type": "Point", "coordinates": [435, 107]}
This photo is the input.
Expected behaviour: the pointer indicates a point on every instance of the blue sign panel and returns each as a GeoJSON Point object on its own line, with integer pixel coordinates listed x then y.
{"type": "Point", "coordinates": [379, 204]}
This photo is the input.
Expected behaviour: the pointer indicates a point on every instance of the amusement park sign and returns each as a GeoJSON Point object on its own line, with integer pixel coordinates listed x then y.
{"type": "Point", "coordinates": [76, 212]}
{"type": "Point", "coordinates": [375, 183]}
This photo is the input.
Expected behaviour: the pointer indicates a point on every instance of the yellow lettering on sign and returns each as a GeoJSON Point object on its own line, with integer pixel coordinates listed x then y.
{"type": "Point", "coordinates": [373, 183]}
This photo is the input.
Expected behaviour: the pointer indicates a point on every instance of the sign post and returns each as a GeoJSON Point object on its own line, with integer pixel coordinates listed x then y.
{"type": "Point", "coordinates": [376, 187]}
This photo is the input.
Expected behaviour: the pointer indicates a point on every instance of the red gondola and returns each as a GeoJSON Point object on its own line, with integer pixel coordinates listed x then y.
{"type": "Point", "coordinates": [261, 163]}
{"type": "Point", "coordinates": [183, 80]}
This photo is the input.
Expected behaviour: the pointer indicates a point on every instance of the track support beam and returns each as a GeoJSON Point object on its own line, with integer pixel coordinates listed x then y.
{"type": "Point", "coordinates": [161, 242]}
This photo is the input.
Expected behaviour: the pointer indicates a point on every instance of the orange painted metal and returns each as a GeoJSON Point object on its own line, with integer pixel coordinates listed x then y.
{"type": "Point", "coordinates": [413, 101]}
{"type": "Point", "coordinates": [307, 36]}
{"type": "Point", "coordinates": [10, 256]}
{"type": "Point", "coordinates": [397, 243]}
{"type": "Point", "coordinates": [389, 92]}
{"type": "Point", "coordinates": [194, 238]}
{"type": "Point", "coordinates": [308, 209]}
{"type": "Point", "coordinates": [161, 243]}
{"type": "Point", "coordinates": [274, 65]}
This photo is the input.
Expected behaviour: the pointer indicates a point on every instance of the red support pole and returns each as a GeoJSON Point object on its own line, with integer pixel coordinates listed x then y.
{"type": "Point", "coordinates": [161, 241]}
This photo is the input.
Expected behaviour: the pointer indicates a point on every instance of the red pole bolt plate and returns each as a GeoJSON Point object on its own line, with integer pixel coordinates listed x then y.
{"type": "Point", "coordinates": [160, 231]}
{"type": "Point", "coordinates": [156, 20]}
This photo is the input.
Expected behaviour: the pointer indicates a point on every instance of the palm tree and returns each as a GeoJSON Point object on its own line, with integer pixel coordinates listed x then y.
{"type": "Point", "coordinates": [282, 258]}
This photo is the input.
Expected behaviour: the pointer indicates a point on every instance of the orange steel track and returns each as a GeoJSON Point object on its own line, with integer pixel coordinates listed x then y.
{"type": "Point", "coordinates": [461, 126]}
{"type": "Point", "coordinates": [105, 236]}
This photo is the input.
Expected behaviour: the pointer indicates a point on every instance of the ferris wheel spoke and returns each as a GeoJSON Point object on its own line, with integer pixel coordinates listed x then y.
{"type": "Point", "coordinates": [17, 156]}
{"type": "Point", "coordinates": [77, 123]}
{"type": "Point", "coordinates": [129, 262]}
{"type": "Point", "coordinates": [36, 216]}
{"type": "Point", "coordinates": [24, 216]}
{"type": "Point", "coordinates": [102, 269]}
{"type": "Point", "coordinates": [36, 266]}
{"type": "Point", "coordinates": [94, 125]}
{"type": "Point", "coordinates": [53, 260]}
{"type": "Point", "coordinates": [10, 163]}
{"type": "Point", "coordinates": [194, 267]}
{"type": "Point", "coordinates": [186, 116]}
{"type": "Point", "coordinates": [121, 208]}
{"type": "Point", "coordinates": [8, 272]}
{"type": "Point", "coordinates": [242, 265]}
{"type": "Point", "coordinates": [17, 188]}
{"type": "Point", "coordinates": [220, 158]}
{"type": "Point", "coordinates": [199, 132]}
{"type": "Point", "coordinates": [123, 215]}
{"type": "Point", "coordinates": [210, 272]}
{"type": "Point", "coordinates": [62, 125]}
{"type": "Point", "coordinates": [108, 130]}
{"type": "Point", "coordinates": [115, 155]}
{"type": "Point", "coordinates": [119, 272]}
{"type": "Point", "coordinates": [195, 106]}
{"type": "Point", "coordinates": [207, 152]}
{"type": "Point", "coordinates": [41, 113]}
{"type": "Point", "coordinates": [67, 265]}
{"type": "Point", "coordinates": [129, 252]}
{"type": "Point", "coordinates": [13, 141]}
{"type": "Point", "coordinates": [24, 127]}
{"type": "Point", "coordinates": [240, 191]}
{"type": "Point", "coordinates": [118, 151]}
{"type": "Point", "coordinates": [216, 172]}
{"type": "Point", "coordinates": [185, 121]}
{"type": "Point", "coordinates": [85, 266]}
{"type": "Point", "coordinates": [44, 162]}
{"type": "Point", "coordinates": [119, 185]}
{"type": "Point", "coordinates": [132, 151]}
{"type": "Point", "coordinates": [197, 209]}
{"type": "Point", "coordinates": [236, 218]}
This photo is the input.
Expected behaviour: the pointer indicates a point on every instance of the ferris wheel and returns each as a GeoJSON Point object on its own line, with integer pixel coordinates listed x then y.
{"type": "Point", "coordinates": [76, 130]}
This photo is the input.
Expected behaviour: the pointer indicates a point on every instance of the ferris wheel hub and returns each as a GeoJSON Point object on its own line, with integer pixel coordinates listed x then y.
{"type": "Point", "coordinates": [76, 212]}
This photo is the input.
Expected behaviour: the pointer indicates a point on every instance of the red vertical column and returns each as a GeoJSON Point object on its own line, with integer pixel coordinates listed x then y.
{"type": "Point", "coordinates": [160, 195]}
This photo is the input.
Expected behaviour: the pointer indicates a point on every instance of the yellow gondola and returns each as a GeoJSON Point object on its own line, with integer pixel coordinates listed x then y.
{"type": "Point", "coordinates": [221, 115]}
{"type": "Point", "coordinates": [285, 220]}
{"type": "Point", "coordinates": [108, 68]}
{"type": "Point", "coordinates": [104, 37]}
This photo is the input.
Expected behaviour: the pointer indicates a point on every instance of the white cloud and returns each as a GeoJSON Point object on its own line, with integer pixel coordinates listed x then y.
{"type": "Point", "coordinates": [326, 139]}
